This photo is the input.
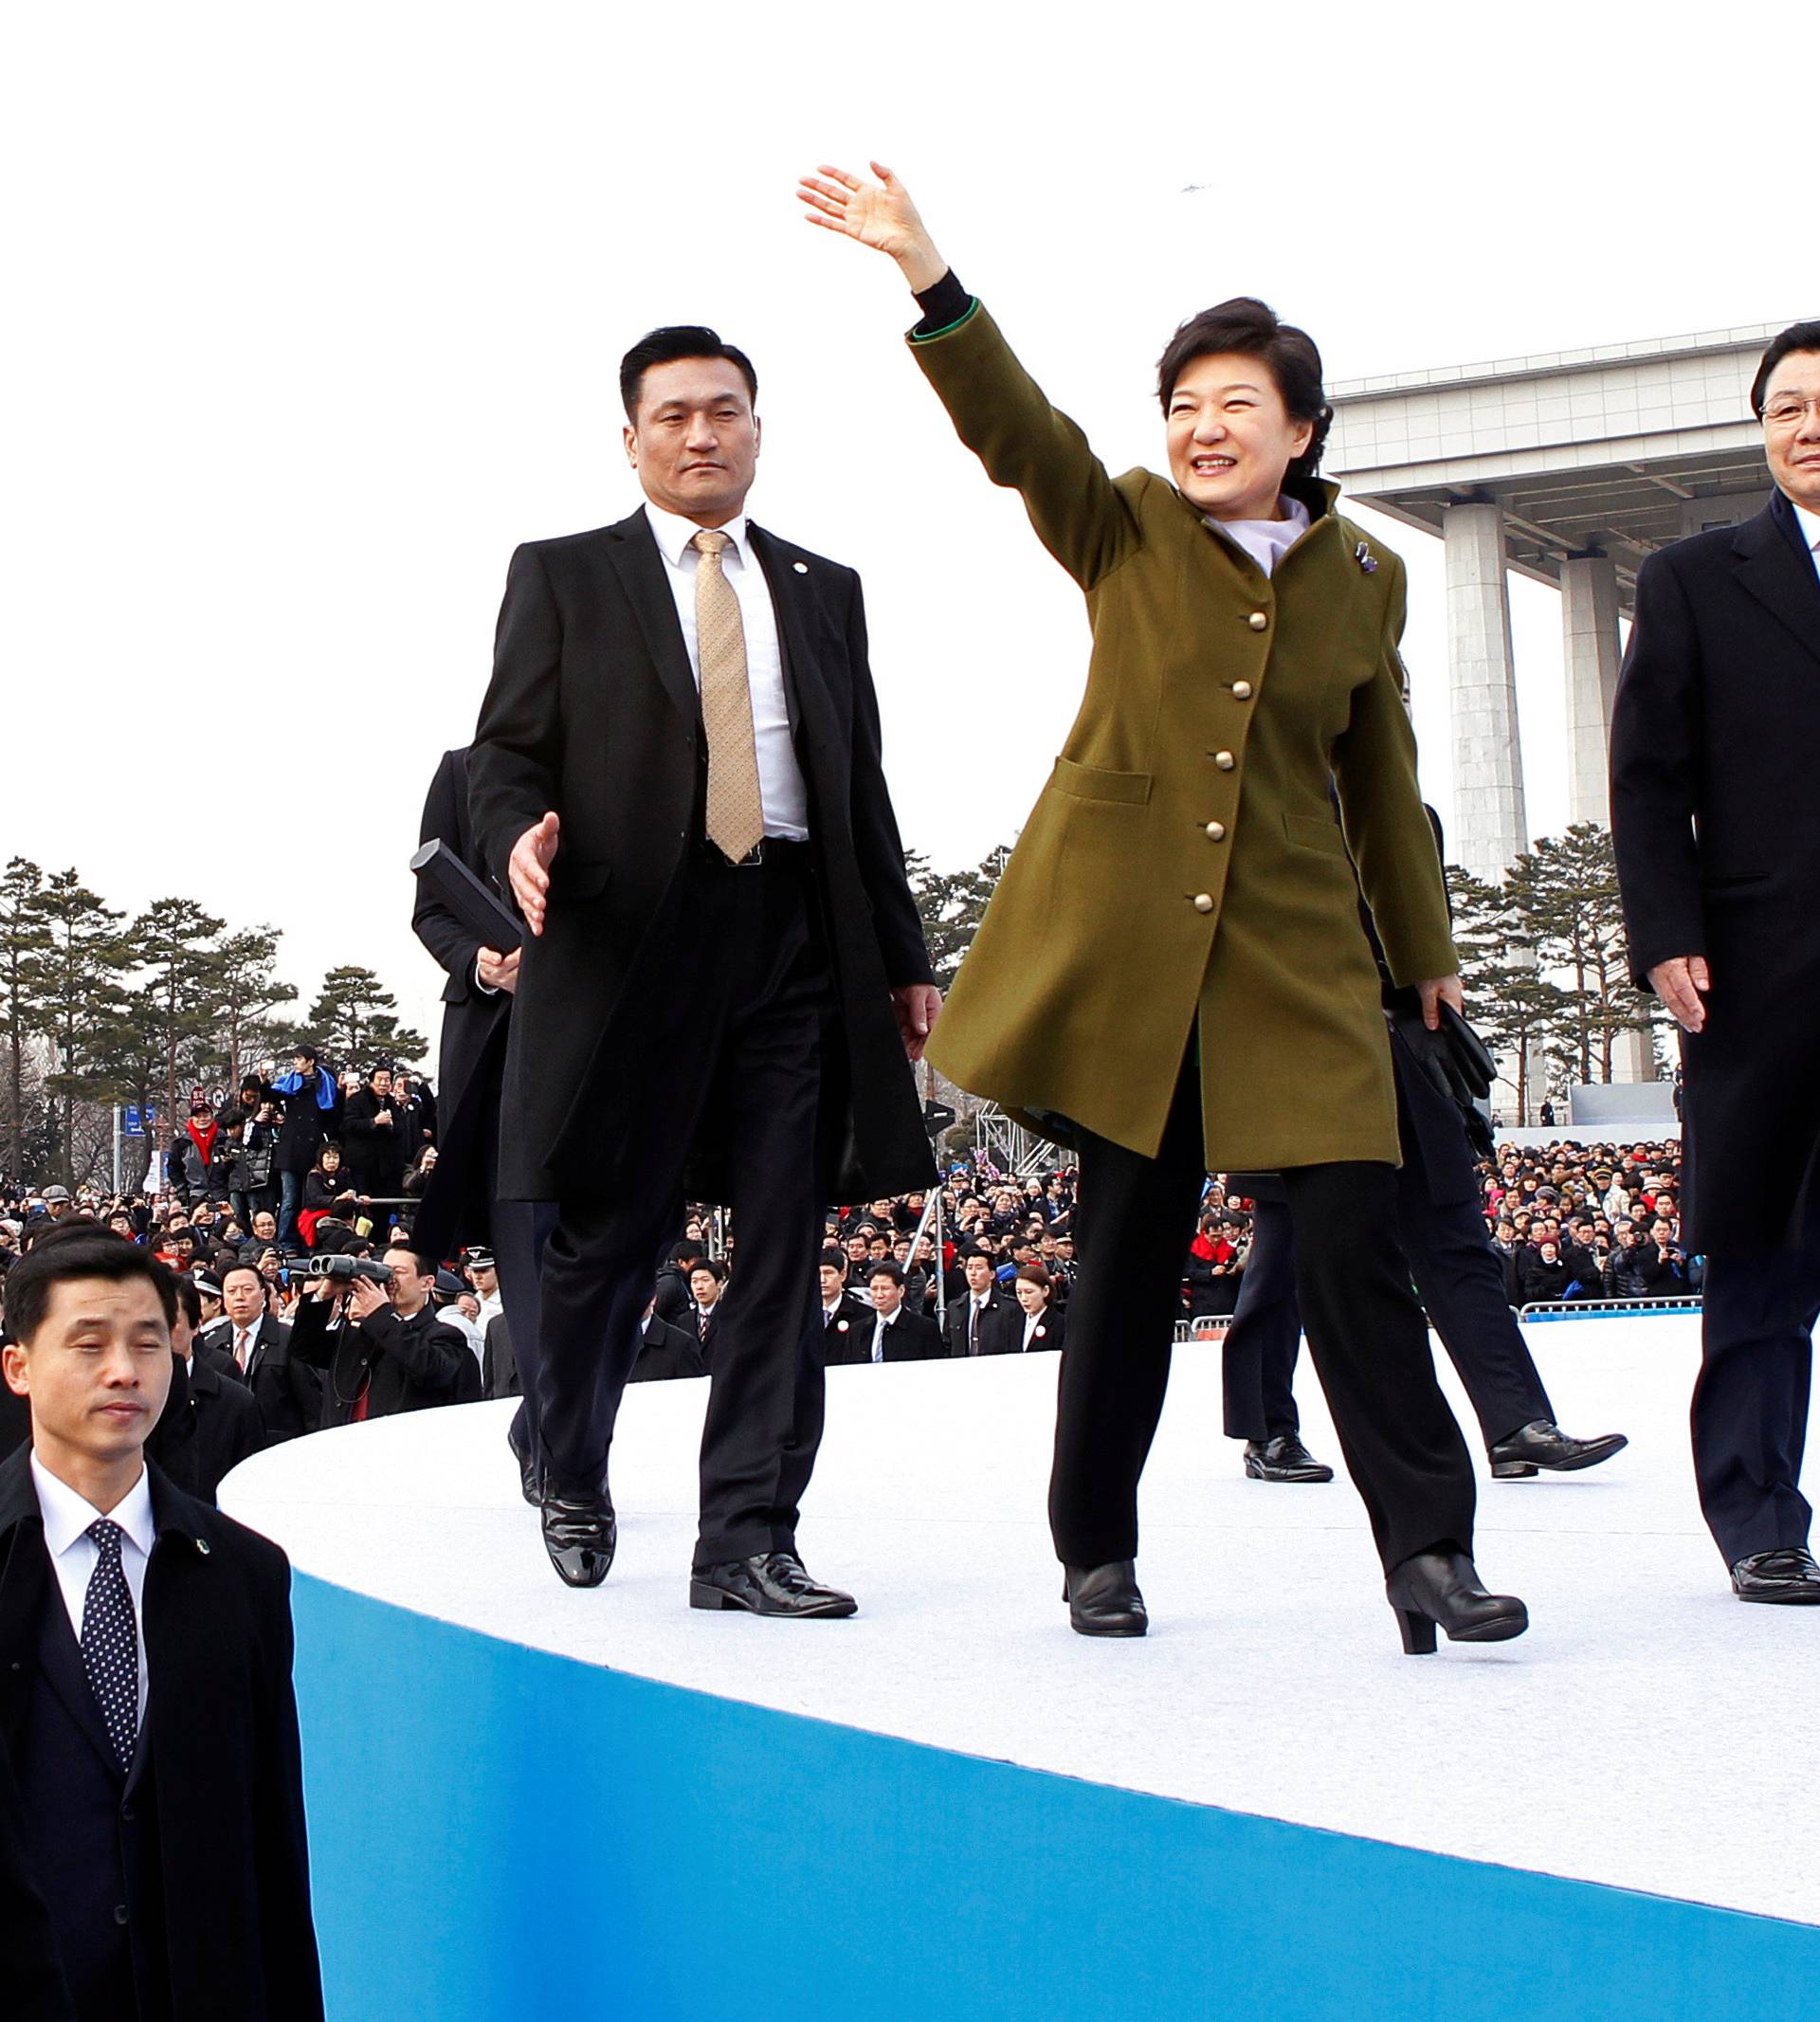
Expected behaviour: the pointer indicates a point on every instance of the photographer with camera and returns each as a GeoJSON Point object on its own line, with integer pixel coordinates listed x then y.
{"type": "Point", "coordinates": [371, 1327]}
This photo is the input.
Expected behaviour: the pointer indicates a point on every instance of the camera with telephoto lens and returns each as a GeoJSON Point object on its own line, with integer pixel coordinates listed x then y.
{"type": "Point", "coordinates": [343, 1269]}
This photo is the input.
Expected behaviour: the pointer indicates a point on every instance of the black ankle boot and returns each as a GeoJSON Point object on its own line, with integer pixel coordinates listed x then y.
{"type": "Point", "coordinates": [1442, 1589]}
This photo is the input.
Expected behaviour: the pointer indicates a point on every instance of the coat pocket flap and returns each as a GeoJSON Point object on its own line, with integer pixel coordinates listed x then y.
{"type": "Point", "coordinates": [1315, 832]}
{"type": "Point", "coordinates": [1095, 782]}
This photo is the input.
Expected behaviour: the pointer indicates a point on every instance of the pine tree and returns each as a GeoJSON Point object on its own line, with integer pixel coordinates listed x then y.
{"type": "Point", "coordinates": [1565, 894]}
{"type": "Point", "coordinates": [1514, 1007]}
{"type": "Point", "coordinates": [952, 904]}
{"type": "Point", "coordinates": [76, 983]}
{"type": "Point", "coordinates": [177, 993]}
{"type": "Point", "coordinates": [355, 1019]}
{"type": "Point", "coordinates": [25, 936]}
{"type": "Point", "coordinates": [248, 993]}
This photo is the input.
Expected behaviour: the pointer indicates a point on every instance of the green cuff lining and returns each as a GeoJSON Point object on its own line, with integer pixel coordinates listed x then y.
{"type": "Point", "coordinates": [929, 337]}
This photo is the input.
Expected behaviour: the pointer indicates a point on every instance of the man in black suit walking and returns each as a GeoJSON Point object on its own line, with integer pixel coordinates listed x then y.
{"type": "Point", "coordinates": [677, 775]}
{"type": "Point", "coordinates": [146, 1709]}
{"type": "Point", "coordinates": [1716, 818]}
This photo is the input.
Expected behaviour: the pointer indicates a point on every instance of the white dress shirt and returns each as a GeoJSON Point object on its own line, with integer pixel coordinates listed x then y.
{"type": "Point", "coordinates": [780, 778]}
{"type": "Point", "coordinates": [880, 1331]}
{"type": "Point", "coordinates": [1266, 541]}
{"type": "Point", "coordinates": [67, 1516]}
{"type": "Point", "coordinates": [1810, 525]}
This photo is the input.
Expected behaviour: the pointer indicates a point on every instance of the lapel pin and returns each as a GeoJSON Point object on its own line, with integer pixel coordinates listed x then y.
{"type": "Point", "coordinates": [1365, 559]}
{"type": "Point", "coordinates": [202, 1545]}
{"type": "Point", "coordinates": [801, 568]}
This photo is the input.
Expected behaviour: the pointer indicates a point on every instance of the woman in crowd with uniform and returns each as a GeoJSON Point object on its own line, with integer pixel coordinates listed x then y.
{"type": "Point", "coordinates": [1173, 974]}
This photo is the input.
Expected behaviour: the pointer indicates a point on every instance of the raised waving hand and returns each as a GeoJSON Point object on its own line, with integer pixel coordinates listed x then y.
{"type": "Point", "coordinates": [880, 214]}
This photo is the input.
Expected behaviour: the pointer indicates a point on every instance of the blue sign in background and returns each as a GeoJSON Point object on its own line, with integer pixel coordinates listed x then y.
{"type": "Point", "coordinates": [129, 1123]}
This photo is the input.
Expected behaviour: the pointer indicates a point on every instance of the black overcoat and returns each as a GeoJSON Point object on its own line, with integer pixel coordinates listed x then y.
{"type": "Point", "coordinates": [456, 1207]}
{"type": "Point", "coordinates": [1716, 819]}
{"type": "Point", "coordinates": [210, 1424]}
{"type": "Point", "coordinates": [225, 1826]}
{"type": "Point", "coordinates": [593, 712]}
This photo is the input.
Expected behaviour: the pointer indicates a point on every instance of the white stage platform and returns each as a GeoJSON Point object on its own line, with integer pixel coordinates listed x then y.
{"type": "Point", "coordinates": [1629, 1740]}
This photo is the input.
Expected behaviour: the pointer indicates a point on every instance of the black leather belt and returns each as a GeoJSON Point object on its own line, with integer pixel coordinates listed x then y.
{"type": "Point", "coordinates": [775, 852]}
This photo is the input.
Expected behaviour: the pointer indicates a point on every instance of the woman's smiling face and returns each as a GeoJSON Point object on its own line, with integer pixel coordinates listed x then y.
{"type": "Point", "coordinates": [1230, 438]}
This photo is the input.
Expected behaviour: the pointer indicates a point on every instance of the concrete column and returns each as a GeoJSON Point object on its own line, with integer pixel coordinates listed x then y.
{"type": "Point", "coordinates": [1589, 654]}
{"type": "Point", "coordinates": [1490, 823]}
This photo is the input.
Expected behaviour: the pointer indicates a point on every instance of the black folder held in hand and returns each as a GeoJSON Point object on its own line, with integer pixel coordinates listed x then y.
{"type": "Point", "coordinates": [478, 908]}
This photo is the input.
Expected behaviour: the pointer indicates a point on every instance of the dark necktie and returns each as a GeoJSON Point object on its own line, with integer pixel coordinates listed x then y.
{"type": "Point", "coordinates": [701, 1324]}
{"type": "Point", "coordinates": [973, 1327]}
{"type": "Point", "coordinates": [111, 1641]}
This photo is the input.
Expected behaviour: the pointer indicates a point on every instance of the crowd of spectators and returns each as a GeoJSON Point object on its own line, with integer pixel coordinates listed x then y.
{"type": "Point", "coordinates": [286, 1210]}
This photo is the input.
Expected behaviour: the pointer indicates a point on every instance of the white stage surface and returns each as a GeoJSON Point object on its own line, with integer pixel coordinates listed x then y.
{"type": "Point", "coordinates": [1620, 1741]}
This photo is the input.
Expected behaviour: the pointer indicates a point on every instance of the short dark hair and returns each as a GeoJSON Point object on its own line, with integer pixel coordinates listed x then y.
{"type": "Point", "coordinates": [714, 1268]}
{"type": "Point", "coordinates": [674, 341]}
{"type": "Point", "coordinates": [885, 1268]}
{"type": "Point", "coordinates": [243, 1265]}
{"type": "Point", "coordinates": [1797, 337]}
{"type": "Point", "coordinates": [424, 1267]}
{"type": "Point", "coordinates": [189, 1295]}
{"type": "Point", "coordinates": [687, 1251]}
{"type": "Point", "coordinates": [835, 1259]}
{"type": "Point", "coordinates": [1244, 324]}
{"type": "Point", "coordinates": [87, 1250]}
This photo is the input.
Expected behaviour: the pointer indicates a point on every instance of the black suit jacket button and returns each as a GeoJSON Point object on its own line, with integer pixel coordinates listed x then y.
{"type": "Point", "coordinates": [127, 1814]}
{"type": "Point", "coordinates": [119, 1913]}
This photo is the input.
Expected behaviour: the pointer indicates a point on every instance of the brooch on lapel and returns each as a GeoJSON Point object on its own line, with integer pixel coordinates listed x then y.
{"type": "Point", "coordinates": [1365, 559]}
{"type": "Point", "coordinates": [801, 568]}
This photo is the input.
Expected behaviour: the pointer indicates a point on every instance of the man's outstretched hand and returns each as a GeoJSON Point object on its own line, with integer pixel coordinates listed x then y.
{"type": "Point", "coordinates": [1436, 992]}
{"type": "Point", "coordinates": [876, 214]}
{"type": "Point", "coordinates": [1681, 982]}
{"type": "Point", "coordinates": [917, 1006]}
{"type": "Point", "coordinates": [529, 869]}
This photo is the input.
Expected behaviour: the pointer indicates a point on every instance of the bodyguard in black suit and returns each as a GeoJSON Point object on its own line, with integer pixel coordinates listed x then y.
{"type": "Point", "coordinates": [1716, 818]}
{"type": "Point", "coordinates": [984, 1320]}
{"type": "Point", "coordinates": [895, 1333]}
{"type": "Point", "coordinates": [146, 1710]}
{"type": "Point", "coordinates": [677, 774]}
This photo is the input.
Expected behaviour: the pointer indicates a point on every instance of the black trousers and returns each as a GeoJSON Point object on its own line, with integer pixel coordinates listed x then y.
{"type": "Point", "coordinates": [750, 993]}
{"type": "Point", "coordinates": [1749, 1411]}
{"type": "Point", "coordinates": [1458, 1278]}
{"type": "Point", "coordinates": [1365, 1330]}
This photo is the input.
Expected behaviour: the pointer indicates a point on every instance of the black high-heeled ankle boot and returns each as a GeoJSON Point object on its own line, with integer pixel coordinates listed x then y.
{"type": "Point", "coordinates": [1442, 1590]}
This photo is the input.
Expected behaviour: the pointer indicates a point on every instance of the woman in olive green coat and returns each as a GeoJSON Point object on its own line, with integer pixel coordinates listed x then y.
{"type": "Point", "coordinates": [1182, 876]}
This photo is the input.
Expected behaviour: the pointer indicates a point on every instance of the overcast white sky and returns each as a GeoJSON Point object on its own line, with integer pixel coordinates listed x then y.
{"type": "Point", "coordinates": [316, 313]}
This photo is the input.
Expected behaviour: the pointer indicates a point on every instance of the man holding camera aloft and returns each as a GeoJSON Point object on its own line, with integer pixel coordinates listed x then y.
{"type": "Point", "coordinates": [380, 1341]}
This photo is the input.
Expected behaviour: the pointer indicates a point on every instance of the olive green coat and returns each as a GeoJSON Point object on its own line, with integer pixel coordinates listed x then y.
{"type": "Point", "coordinates": [1183, 872]}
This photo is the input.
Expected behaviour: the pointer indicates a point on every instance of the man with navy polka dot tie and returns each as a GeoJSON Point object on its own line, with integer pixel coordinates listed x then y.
{"type": "Point", "coordinates": [125, 1605]}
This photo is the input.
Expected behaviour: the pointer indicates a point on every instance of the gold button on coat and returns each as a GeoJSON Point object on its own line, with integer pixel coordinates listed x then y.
{"type": "Point", "coordinates": [1203, 901]}
{"type": "Point", "coordinates": [1257, 621]}
{"type": "Point", "coordinates": [1241, 690]}
{"type": "Point", "coordinates": [1216, 832]}
{"type": "Point", "coordinates": [1225, 761]}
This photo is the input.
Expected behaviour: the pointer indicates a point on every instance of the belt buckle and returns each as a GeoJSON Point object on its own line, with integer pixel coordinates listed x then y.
{"type": "Point", "coordinates": [754, 857]}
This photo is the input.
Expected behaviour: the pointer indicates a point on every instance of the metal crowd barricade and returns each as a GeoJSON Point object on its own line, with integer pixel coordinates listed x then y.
{"type": "Point", "coordinates": [1547, 1309]}
{"type": "Point", "coordinates": [1209, 1327]}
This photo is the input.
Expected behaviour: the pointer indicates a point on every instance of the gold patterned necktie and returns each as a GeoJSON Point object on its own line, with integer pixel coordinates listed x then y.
{"type": "Point", "coordinates": [735, 808]}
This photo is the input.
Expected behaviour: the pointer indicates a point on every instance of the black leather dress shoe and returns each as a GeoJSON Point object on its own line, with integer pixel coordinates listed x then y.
{"type": "Point", "coordinates": [770, 1583]}
{"type": "Point", "coordinates": [1544, 1445]}
{"type": "Point", "coordinates": [1104, 1600]}
{"type": "Point", "coordinates": [580, 1533]}
{"type": "Point", "coordinates": [1442, 1590]}
{"type": "Point", "coordinates": [1283, 1459]}
{"type": "Point", "coordinates": [1789, 1574]}
{"type": "Point", "coordinates": [529, 1485]}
